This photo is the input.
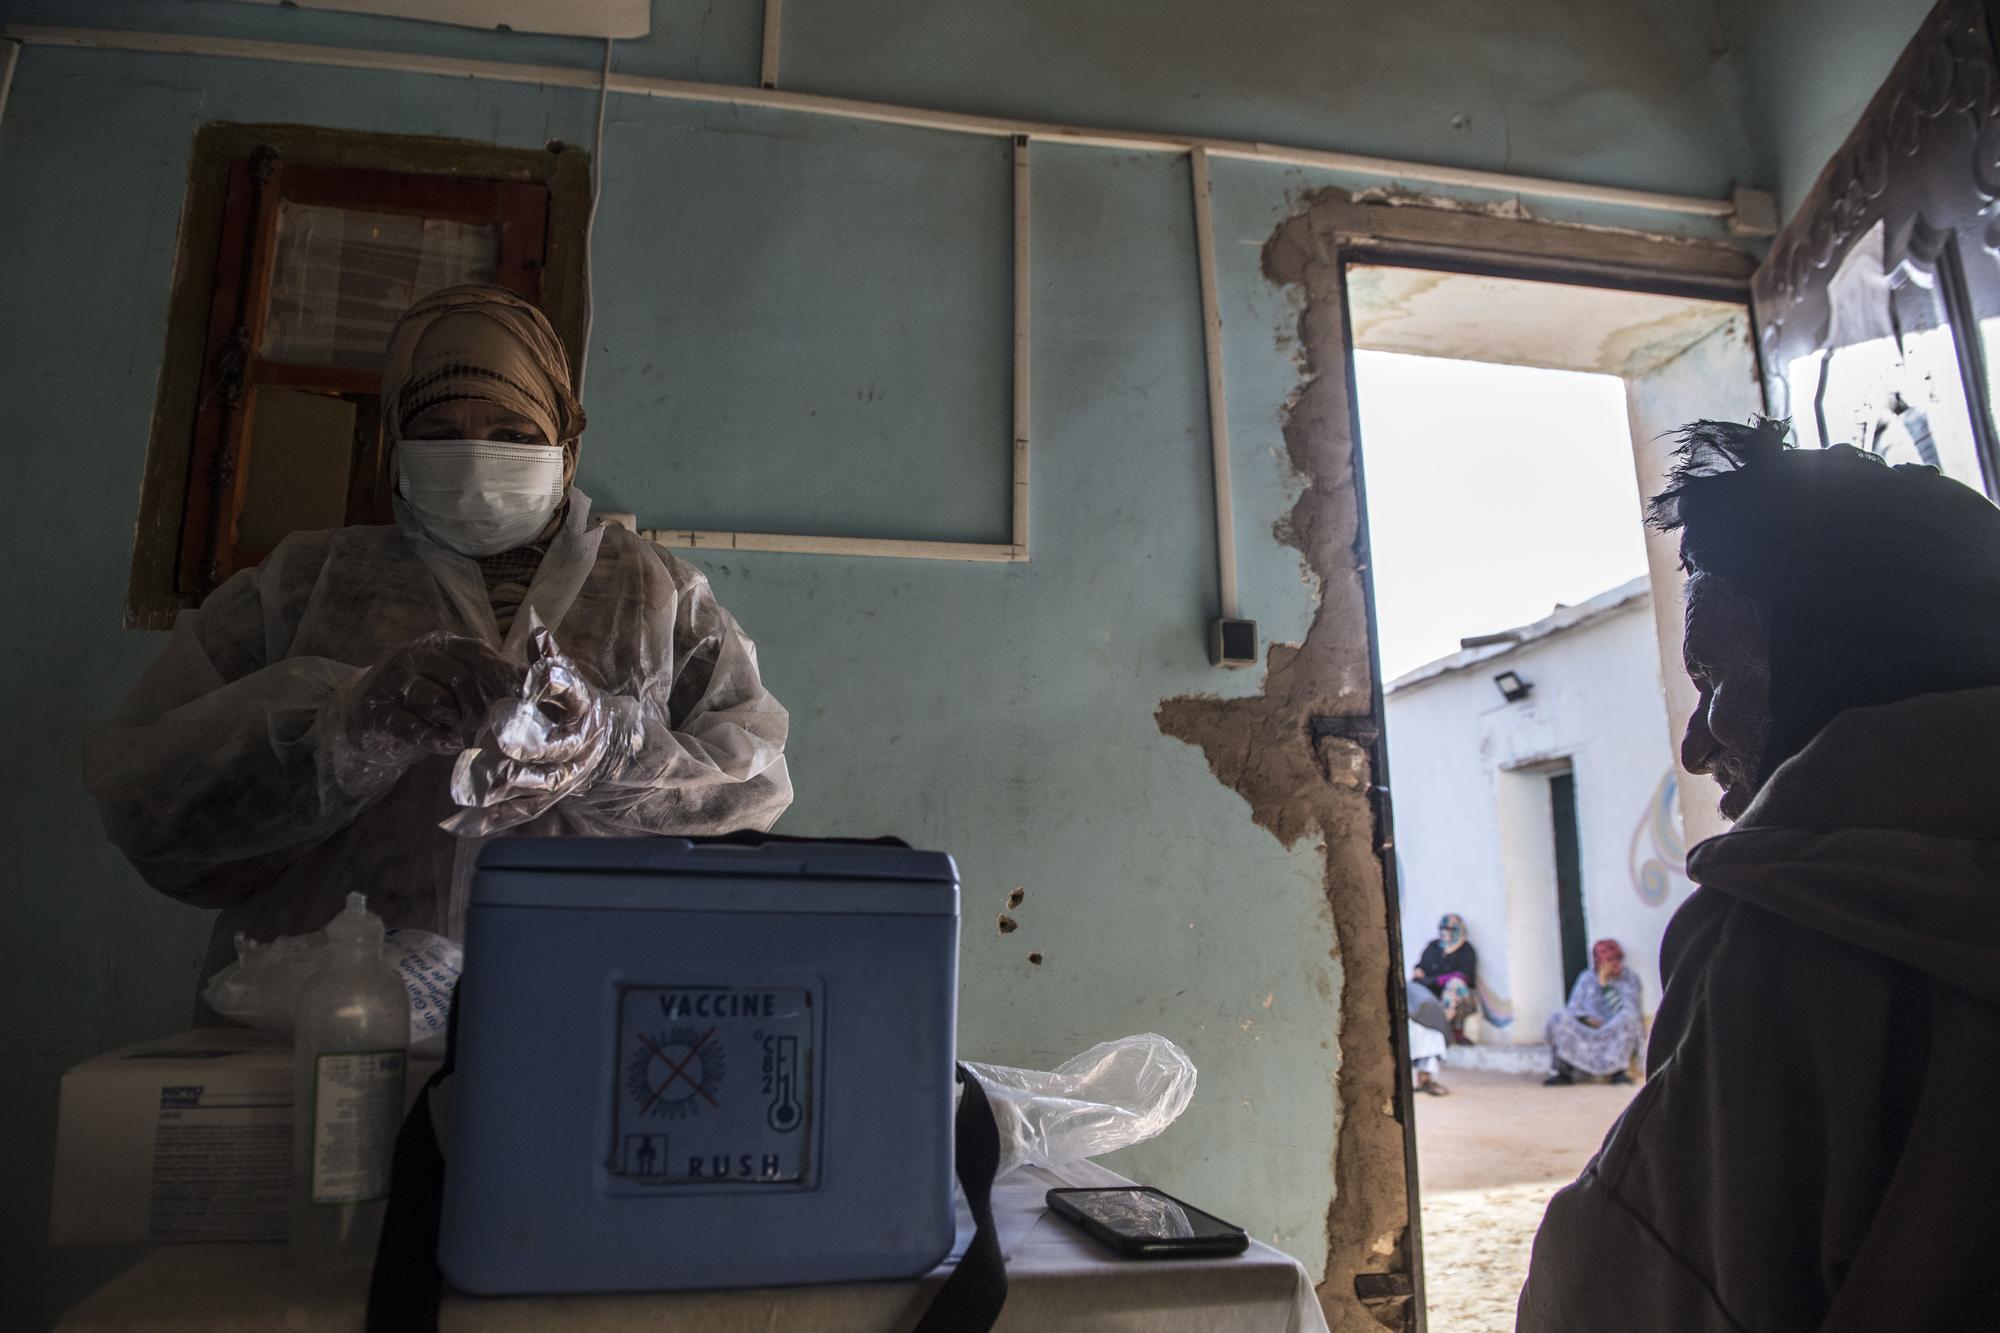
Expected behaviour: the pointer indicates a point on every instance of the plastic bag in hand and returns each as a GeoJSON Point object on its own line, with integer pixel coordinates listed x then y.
{"type": "Point", "coordinates": [261, 986]}
{"type": "Point", "coordinates": [551, 738]}
{"type": "Point", "coordinates": [1115, 1094]}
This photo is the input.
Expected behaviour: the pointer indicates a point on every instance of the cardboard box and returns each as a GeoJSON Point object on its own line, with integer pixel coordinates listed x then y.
{"type": "Point", "coordinates": [186, 1138]}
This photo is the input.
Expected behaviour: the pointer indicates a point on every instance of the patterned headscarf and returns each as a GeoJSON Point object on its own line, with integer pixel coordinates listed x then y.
{"type": "Point", "coordinates": [1608, 951]}
{"type": "Point", "coordinates": [1451, 931]}
{"type": "Point", "coordinates": [479, 343]}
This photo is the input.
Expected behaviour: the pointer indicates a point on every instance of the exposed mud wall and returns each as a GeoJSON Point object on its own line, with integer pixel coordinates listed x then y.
{"type": "Point", "coordinates": [1304, 779]}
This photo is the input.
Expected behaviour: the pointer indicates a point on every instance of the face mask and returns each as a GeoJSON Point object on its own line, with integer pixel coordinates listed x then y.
{"type": "Point", "coordinates": [480, 497]}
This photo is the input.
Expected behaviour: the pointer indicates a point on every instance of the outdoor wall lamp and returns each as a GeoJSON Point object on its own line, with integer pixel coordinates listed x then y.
{"type": "Point", "coordinates": [1512, 688]}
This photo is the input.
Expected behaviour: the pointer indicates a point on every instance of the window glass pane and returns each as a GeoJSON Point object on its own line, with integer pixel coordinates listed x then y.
{"type": "Point", "coordinates": [301, 450]}
{"type": "Point", "coordinates": [341, 276]}
{"type": "Point", "coordinates": [1989, 341]}
{"type": "Point", "coordinates": [1891, 381]}
{"type": "Point", "coordinates": [1802, 380]}
{"type": "Point", "coordinates": [1901, 397]}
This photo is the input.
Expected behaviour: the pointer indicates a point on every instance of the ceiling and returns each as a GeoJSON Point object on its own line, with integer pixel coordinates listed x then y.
{"type": "Point", "coordinates": [1517, 322]}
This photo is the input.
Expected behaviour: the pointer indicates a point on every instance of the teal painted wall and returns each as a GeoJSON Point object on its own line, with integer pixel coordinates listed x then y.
{"type": "Point", "coordinates": [1640, 93]}
{"type": "Point", "coordinates": [1810, 68]}
{"type": "Point", "coordinates": [803, 323]}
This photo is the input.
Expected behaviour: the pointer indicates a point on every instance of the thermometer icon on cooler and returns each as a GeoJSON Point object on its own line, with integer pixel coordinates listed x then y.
{"type": "Point", "coordinates": [785, 1111]}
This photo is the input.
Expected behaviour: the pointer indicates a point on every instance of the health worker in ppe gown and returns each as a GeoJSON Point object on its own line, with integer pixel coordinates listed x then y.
{"type": "Point", "coordinates": [492, 661]}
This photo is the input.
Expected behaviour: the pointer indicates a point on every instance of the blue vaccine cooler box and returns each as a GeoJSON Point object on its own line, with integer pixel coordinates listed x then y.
{"type": "Point", "coordinates": [689, 1065]}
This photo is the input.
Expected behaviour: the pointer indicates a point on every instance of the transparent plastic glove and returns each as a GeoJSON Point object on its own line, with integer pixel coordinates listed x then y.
{"type": "Point", "coordinates": [425, 698]}
{"type": "Point", "coordinates": [1115, 1094]}
{"type": "Point", "coordinates": [549, 739]}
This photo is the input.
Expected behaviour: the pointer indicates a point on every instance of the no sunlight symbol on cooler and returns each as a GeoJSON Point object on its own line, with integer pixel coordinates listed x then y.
{"type": "Point", "coordinates": [672, 1073]}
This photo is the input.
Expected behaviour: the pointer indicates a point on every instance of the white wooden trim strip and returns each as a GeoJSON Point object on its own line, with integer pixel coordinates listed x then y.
{"type": "Point", "coordinates": [864, 546]}
{"type": "Point", "coordinates": [7, 75]}
{"type": "Point", "coordinates": [774, 14]}
{"type": "Point", "coordinates": [562, 76]}
{"type": "Point", "coordinates": [1218, 403]}
{"type": "Point", "coordinates": [1023, 324]}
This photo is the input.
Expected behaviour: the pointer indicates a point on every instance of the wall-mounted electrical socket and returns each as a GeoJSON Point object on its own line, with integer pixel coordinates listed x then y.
{"type": "Point", "coordinates": [1233, 643]}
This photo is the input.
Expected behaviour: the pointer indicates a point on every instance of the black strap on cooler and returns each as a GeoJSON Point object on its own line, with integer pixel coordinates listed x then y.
{"type": "Point", "coordinates": [970, 1299]}
{"type": "Point", "coordinates": [405, 1289]}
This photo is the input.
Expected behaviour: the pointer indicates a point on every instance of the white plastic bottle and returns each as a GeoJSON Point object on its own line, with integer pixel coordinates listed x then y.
{"type": "Point", "coordinates": [350, 1046]}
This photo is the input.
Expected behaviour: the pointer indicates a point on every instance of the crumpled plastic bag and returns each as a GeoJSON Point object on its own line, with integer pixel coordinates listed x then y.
{"type": "Point", "coordinates": [1112, 1096]}
{"type": "Point", "coordinates": [550, 739]}
{"type": "Point", "coordinates": [261, 987]}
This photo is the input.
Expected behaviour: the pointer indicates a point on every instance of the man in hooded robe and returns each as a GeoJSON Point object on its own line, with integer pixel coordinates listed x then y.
{"type": "Point", "coordinates": [1810, 1150]}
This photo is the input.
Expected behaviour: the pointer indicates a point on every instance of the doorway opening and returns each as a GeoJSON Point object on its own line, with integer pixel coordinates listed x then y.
{"type": "Point", "coordinates": [1528, 636]}
{"type": "Point", "coordinates": [1569, 878]}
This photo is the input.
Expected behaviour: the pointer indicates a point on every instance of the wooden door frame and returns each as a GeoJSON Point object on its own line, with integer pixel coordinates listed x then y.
{"type": "Point", "coordinates": [1309, 253]}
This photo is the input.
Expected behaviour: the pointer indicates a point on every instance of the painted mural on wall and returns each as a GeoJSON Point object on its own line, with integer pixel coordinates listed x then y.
{"type": "Point", "coordinates": [1658, 858]}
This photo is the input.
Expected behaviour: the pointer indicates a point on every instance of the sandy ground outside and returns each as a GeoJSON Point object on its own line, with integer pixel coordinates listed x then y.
{"type": "Point", "coordinates": [1488, 1158]}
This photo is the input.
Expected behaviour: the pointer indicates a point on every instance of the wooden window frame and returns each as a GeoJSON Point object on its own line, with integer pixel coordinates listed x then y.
{"type": "Point", "coordinates": [188, 472]}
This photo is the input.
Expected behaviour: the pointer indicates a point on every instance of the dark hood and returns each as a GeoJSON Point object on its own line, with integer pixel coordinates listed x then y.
{"type": "Point", "coordinates": [1883, 832]}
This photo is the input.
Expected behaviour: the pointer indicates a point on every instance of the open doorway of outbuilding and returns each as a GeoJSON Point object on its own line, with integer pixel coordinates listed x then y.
{"type": "Point", "coordinates": [1528, 634]}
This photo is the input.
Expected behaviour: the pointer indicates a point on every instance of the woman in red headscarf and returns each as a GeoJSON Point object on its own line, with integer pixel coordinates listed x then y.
{"type": "Point", "coordinates": [1598, 1031]}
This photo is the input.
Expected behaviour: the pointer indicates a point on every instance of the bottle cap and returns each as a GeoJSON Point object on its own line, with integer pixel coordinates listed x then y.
{"type": "Point", "coordinates": [356, 924]}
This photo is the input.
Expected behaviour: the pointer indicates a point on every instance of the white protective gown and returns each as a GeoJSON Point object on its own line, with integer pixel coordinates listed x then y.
{"type": "Point", "coordinates": [212, 776]}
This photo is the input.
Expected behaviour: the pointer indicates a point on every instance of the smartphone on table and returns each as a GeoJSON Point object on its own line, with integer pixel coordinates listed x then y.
{"type": "Point", "coordinates": [1141, 1222]}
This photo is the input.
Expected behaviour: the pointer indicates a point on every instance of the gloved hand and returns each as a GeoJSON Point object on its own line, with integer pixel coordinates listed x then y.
{"type": "Point", "coordinates": [550, 738]}
{"type": "Point", "coordinates": [427, 697]}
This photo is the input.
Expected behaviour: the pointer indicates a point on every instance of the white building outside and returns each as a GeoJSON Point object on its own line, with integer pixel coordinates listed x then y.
{"type": "Point", "coordinates": [1476, 807]}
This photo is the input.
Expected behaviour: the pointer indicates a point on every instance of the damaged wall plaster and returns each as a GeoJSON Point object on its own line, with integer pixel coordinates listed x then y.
{"type": "Point", "coordinates": [1263, 747]}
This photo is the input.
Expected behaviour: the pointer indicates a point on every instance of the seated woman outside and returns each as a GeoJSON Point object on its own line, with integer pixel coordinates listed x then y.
{"type": "Point", "coordinates": [1449, 969]}
{"type": "Point", "coordinates": [1430, 1036]}
{"type": "Point", "coordinates": [1598, 1032]}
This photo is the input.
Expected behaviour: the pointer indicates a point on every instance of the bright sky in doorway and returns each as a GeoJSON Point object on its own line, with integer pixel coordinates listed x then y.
{"type": "Point", "coordinates": [1494, 493]}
